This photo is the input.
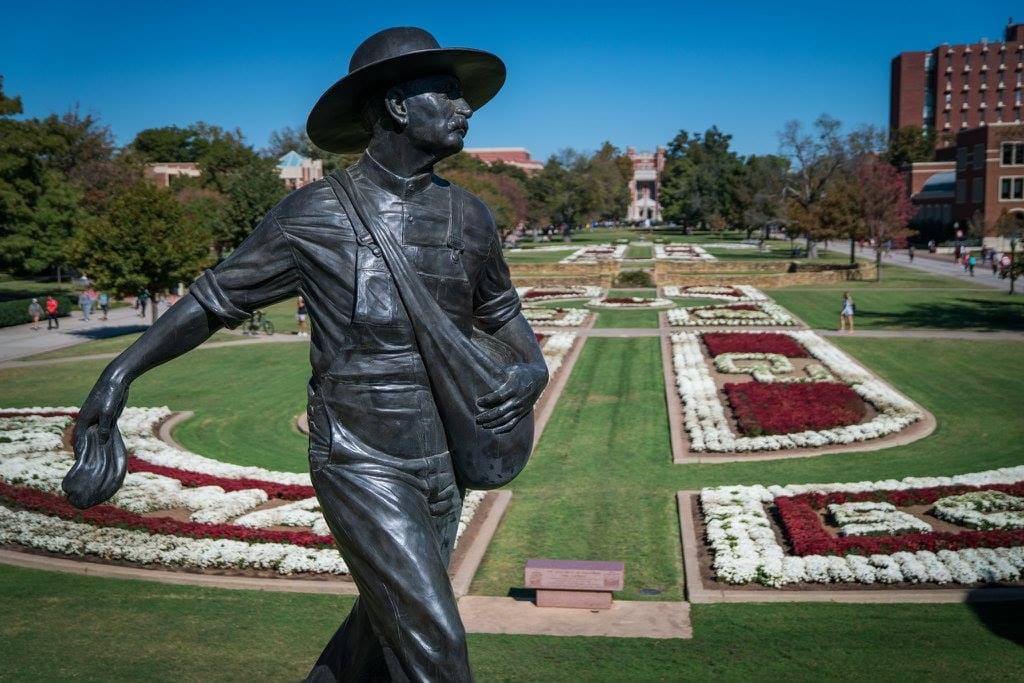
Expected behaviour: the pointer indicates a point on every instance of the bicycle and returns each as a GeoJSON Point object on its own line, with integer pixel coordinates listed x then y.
{"type": "Point", "coordinates": [258, 322]}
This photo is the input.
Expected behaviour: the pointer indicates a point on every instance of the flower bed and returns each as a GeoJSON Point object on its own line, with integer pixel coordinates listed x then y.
{"type": "Point", "coordinates": [795, 407]}
{"type": "Point", "coordinates": [769, 368]}
{"type": "Point", "coordinates": [745, 547]}
{"type": "Point", "coordinates": [596, 253]}
{"type": "Point", "coordinates": [682, 252]}
{"type": "Point", "coordinates": [556, 317]}
{"type": "Point", "coordinates": [227, 527]}
{"type": "Point", "coordinates": [555, 348]}
{"type": "Point", "coordinates": [629, 302]}
{"type": "Point", "coordinates": [532, 295]}
{"type": "Point", "coordinates": [753, 342]}
{"type": "Point", "coordinates": [725, 293]}
{"type": "Point", "coordinates": [706, 414]}
{"type": "Point", "coordinates": [762, 314]}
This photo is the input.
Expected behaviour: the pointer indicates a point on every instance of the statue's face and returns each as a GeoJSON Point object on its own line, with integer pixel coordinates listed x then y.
{"type": "Point", "coordinates": [437, 115]}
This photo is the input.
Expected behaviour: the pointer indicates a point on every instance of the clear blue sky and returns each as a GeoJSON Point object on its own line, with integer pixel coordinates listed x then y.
{"type": "Point", "coordinates": [579, 73]}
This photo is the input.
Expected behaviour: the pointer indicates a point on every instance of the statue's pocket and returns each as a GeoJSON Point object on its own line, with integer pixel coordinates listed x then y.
{"type": "Point", "coordinates": [376, 296]}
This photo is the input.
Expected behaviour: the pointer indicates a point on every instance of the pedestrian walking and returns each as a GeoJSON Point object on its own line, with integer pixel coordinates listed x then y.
{"type": "Point", "coordinates": [846, 313]}
{"type": "Point", "coordinates": [85, 300]}
{"type": "Point", "coordinates": [104, 303]}
{"type": "Point", "coordinates": [300, 316]}
{"type": "Point", "coordinates": [971, 262]}
{"type": "Point", "coordinates": [51, 314]}
{"type": "Point", "coordinates": [143, 299]}
{"type": "Point", "coordinates": [910, 252]}
{"type": "Point", "coordinates": [996, 256]}
{"type": "Point", "coordinates": [35, 311]}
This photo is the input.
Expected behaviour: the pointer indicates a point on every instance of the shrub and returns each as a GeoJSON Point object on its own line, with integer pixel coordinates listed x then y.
{"type": "Point", "coordinates": [15, 312]}
{"type": "Point", "coordinates": [634, 278]}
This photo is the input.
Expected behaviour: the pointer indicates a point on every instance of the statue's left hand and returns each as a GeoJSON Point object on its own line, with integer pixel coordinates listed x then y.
{"type": "Point", "coordinates": [504, 408]}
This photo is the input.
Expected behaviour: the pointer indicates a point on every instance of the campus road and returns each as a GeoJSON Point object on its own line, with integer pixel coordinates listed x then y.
{"type": "Point", "coordinates": [19, 341]}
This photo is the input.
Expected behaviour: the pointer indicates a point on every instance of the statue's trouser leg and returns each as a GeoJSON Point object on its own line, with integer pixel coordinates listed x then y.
{"type": "Point", "coordinates": [395, 526]}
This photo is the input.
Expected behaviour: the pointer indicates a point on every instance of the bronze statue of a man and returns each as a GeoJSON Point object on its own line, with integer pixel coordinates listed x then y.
{"type": "Point", "coordinates": [379, 448]}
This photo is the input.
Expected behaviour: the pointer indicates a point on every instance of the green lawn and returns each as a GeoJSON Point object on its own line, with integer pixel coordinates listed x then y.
{"type": "Point", "coordinates": [950, 309]}
{"type": "Point", "coordinates": [111, 345]}
{"type": "Point", "coordinates": [640, 251]}
{"type": "Point", "coordinates": [536, 256]}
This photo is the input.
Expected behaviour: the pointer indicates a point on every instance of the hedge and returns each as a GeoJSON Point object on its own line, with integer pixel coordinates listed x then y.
{"type": "Point", "coordinates": [15, 312]}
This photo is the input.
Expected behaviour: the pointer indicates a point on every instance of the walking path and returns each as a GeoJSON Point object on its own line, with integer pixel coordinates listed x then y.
{"type": "Point", "coordinates": [19, 341]}
{"type": "Point", "coordinates": [983, 276]}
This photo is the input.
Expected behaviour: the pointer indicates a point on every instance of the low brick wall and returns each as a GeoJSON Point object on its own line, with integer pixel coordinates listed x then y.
{"type": "Point", "coordinates": [663, 267]}
{"type": "Point", "coordinates": [791, 274]}
{"type": "Point", "coordinates": [564, 269]}
{"type": "Point", "coordinates": [595, 280]}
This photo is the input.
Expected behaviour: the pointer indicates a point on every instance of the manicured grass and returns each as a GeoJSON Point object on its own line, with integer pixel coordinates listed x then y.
{"type": "Point", "coordinates": [639, 251]}
{"type": "Point", "coordinates": [60, 627]}
{"type": "Point", "coordinates": [897, 277]}
{"type": "Point", "coordinates": [601, 483]}
{"type": "Point", "coordinates": [953, 309]}
{"type": "Point", "coordinates": [110, 345]}
{"type": "Point", "coordinates": [537, 257]}
{"type": "Point", "coordinates": [245, 399]}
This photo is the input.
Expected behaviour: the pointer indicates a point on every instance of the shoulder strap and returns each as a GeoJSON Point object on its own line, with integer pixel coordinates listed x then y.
{"type": "Point", "coordinates": [363, 236]}
{"type": "Point", "coordinates": [456, 222]}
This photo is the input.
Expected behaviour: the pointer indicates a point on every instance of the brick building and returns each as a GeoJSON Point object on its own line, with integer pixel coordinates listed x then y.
{"type": "Point", "coordinates": [160, 173]}
{"type": "Point", "coordinates": [645, 185]}
{"type": "Point", "coordinates": [955, 87]}
{"type": "Point", "coordinates": [297, 171]}
{"type": "Point", "coordinates": [513, 156]}
{"type": "Point", "coordinates": [981, 173]}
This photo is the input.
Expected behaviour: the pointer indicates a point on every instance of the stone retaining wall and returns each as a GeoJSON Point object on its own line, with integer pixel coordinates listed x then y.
{"type": "Point", "coordinates": [564, 269]}
{"type": "Point", "coordinates": [554, 280]}
{"type": "Point", "coordinates": [767, 275]}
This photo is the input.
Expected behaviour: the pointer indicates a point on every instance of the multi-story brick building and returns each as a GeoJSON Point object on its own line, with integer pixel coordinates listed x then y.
{"type": "Point", "coordinates": [645, 185]}
{"type": "Point", "coordinates": [513, 156]}
{"type": "Point", "coordinates": [955, 87]}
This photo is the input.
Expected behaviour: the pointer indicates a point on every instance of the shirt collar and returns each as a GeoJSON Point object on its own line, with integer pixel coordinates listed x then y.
{"type": "Point", "coordinates": [392, 182]}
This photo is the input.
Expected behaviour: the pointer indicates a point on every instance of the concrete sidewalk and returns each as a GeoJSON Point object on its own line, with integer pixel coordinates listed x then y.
{"type": "Point", "coordinates": [19, 341]}
{"type": "Point", "coordinates": [983, 276]}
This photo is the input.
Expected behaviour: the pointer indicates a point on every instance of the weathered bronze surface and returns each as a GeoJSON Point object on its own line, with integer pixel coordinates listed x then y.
{"type": "Point", "coordinates": [385, 392]}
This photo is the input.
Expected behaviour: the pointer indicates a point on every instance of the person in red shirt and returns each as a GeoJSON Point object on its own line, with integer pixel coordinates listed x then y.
{"type": "Point", "coordinates": [51, 313]}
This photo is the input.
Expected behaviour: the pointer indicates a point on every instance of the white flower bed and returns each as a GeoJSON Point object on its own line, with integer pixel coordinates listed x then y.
{"type": "Point", "coordinates": [726, 293]}
{"type": "Point", "coordinates": [633, 302]}
{"type": "Point", "coordinates": [546, 317]}
{"type": "Point", "coordinates": [556, 348]}
{"type": "Point", "coordinates": [574, 292]}
{"type": "Point", "coordinates": [705, 414]}
{"type": "Point", "coordinates": [870, 518]}
{"type": "Point", "coordinates": [769, 368]}
{"type": "Point", "coordinates": [596, 253]}
{"type": "Point", "coordinates": [982, 510]}
{"type": "Point", "coordinates": [769, 315]}
{"type": "Point", "coordinates": [39, 462]}
{"type": "Point", "coordinates": [682, 252]}
{"type": "Point", "coordinates": [745, 548]}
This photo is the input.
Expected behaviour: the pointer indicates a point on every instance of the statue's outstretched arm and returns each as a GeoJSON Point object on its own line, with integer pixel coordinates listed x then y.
{"type": "Point", "coordinates": [100, 457]}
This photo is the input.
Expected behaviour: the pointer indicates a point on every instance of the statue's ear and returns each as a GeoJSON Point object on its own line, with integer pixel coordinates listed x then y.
{"type": "Point", "coordinates": [394, 103]}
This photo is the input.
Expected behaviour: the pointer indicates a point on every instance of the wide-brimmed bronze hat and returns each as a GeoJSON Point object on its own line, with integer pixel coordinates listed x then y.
{"type": "Point", "coordinates": [387, 58]}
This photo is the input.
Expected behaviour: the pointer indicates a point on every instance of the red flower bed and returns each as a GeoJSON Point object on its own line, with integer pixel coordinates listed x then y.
{"type": "Point", "coordinates": [540, 337]}
{"type": "Point", "coordinates": [758, 342]}
{"type": "Point", "coordinates": [740, 307]}
{"type": "Point", "coordinates": [538, 293]}
{"type": "Point", "coordinates": [807, 534]}
{"type": "Point", "coordinates": [627, 300]}
{"type": "Point", "coordinates": [273, 489]}
{"type": "Point", "coordinates": [785, 408]}
{"type": "Point", "coordinates": [108, 515]}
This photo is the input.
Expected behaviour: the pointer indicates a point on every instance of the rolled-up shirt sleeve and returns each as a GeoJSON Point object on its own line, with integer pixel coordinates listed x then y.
{"type": "Point", "coordinates": [261, 271]}
{"type": "Point", "coordinates": [495, 301]}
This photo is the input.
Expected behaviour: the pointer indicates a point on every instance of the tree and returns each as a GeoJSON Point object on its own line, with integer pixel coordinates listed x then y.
{"type": "Point", "coordinates": [816, 158]}
{"type": "Point", "coordinates": [251, 191]}
{"type": "Point", "coordinates": [910, 144]}
{"type": "Point", "coordinates": [759, 195]}
{"type": "Point", "coordinates": [1012, 225]}
{"type": "Point", "coordinates": [141, 241]}
{"type": "Point", "coordinates": [701, 178]}
{"type": "Point", "coordinates": [169, 143]}
{"type": "Point", "coordinates": [607, 183]}
{"type": "Point", "coordinates": [841, 210]}
{"type": "Point", "coordinates": [884, 205]}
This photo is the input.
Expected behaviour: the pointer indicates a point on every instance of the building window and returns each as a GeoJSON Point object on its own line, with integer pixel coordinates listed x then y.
{"type": "Point", "coordinates": [976, 191]}
{"type": "Point", "coordinates": [961, 158]}
{"type": "Point", "coordinates": [1011, 188]}
{"type": "Point", "coordinates": [979, 153]}
{"type": "Point", "coordinates": [1013, 154]}
{"type": "Point", "coordinates": [961, 191]}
